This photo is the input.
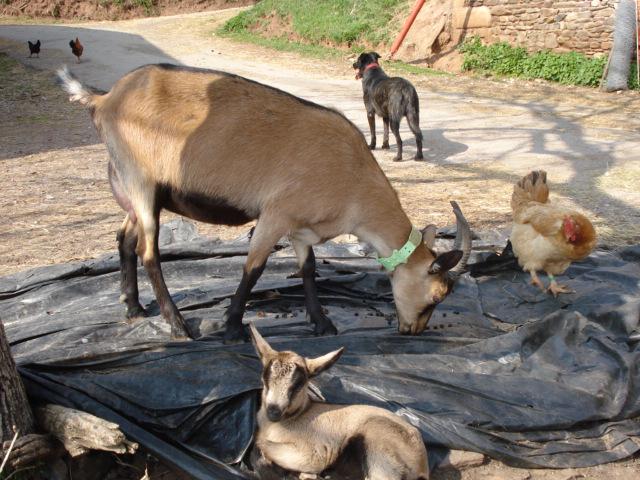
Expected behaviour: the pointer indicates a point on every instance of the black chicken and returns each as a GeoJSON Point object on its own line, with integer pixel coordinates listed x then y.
{"type": "Point", "coordinates": [34, 48]}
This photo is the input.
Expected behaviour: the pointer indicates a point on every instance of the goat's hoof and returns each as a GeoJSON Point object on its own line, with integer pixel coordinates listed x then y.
{"type": "Point", "coordinates": [397, 159]}
{"type": "Point", "coordinates": [385, 146]}
{"type": "Point", "coordinates": [235, 334]}
{"type": "Point", "coordinates": [419, 157]}
{"type": "Point", "coordinates": [325, 327]}
{"type": "Point", "coordinates": [179, 336]}
{"type": "Point", "coordinates": [372, 146]}
{"type": "Point", "coordinates": [135, 312]}
{"type": "Point", "coordinates": [179, 329]}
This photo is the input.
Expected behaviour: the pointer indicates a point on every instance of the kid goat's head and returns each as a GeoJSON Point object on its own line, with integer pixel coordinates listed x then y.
{"type": "Point", "coordinates": [285, 377]}
{"type": "Point", "coordinates": [424, 281]}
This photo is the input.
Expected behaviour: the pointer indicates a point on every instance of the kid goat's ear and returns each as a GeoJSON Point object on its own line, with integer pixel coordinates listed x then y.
{"type": "Point", "coordinates": [320, 364]}
{"type": "Point", "coordinates": [265, 352]}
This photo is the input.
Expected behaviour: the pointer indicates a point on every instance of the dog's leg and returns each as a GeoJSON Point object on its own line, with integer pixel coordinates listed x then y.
{"type": "Point", "coordinates": [385, 136]}
{"type": "Point", "coordinates": [395, 128]}
{"type": "Point", "coordinates": [414, 125]}
{"type": "Point", "coordinates": [371, 116]}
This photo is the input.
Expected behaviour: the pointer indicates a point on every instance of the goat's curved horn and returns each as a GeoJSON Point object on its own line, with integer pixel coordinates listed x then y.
{"type": "Point", "coordinates": [462, 241]}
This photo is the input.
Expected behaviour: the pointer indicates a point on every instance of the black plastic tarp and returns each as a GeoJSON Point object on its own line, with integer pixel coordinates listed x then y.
{"type": "Point", "coordinates": [503, 369]}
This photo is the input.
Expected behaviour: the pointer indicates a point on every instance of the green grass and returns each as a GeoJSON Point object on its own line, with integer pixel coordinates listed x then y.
{"type": "Point", "coordinates": [283, 45]}
{"type": "Point", "coordinates": [398, 67]}
{"type": "Point", "coordinates": [6, 64]}
{"type": "Point", "coordinates": [322, 52]}
{"type": "Point", "coordinates": [502, 59]}
{"type": "Point", "coordinates": [10, 89]}
{"type": "Point", "coordinates": [354, 23]}
{"type": "Point", "coordinates": [148, 5]}
{"type": "Point", "coordinates": [325, 28]}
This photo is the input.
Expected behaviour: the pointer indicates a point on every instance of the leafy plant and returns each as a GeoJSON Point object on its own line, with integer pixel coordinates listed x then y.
{"type": "Point", "coordinates": [570, 68]}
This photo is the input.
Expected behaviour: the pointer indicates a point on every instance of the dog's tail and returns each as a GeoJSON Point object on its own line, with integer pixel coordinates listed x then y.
{"type": "Point", "coordinates": [413, 111]}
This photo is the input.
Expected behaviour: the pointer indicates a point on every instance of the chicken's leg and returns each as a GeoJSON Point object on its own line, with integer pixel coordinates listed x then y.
{"type": "Point", "coordinates": [555, 288]}
{"type": "Point", "coordinates": [536, 281]}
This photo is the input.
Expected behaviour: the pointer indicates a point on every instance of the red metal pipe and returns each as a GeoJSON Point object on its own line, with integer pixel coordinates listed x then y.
{"type": "Point", "coordinates": [637, 44]}
{"type": "Point", "coordinates": [407, 25]}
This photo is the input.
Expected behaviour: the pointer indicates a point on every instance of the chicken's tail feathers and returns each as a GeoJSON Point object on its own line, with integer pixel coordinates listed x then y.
{"type": "Point", "coordinates": [77, 92]}
{"type": "Point", "coordinates": [531, 188]}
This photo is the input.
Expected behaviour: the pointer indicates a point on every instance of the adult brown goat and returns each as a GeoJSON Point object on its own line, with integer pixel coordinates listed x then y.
{"type": "Point", "coordinates": [222, 149]}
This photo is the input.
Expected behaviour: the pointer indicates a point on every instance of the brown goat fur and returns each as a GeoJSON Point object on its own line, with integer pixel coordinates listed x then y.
{"type": "Point", "coordinates": [222, 149]}
{"type": "Point", "coordinates": [298, 434]}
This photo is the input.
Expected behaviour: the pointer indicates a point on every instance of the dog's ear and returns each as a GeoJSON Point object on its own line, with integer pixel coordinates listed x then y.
{"type": "Point", "coordinates": [377, 55]}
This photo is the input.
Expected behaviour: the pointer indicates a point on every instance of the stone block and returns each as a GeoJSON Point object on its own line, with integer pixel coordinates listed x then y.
{"type": "Point", "coordinates": [582, 35]}
{"type": "Point", "coordinates": [461, 460]}
{"type": "Point", "coordinates": [500, 10]}
{"type": "Point", "coordinates": [595, 28]}
{"type": "Point", "coordinates": [517, 475]}
{"type": "Point", "coordinates": [474, 17]}
{"type": "Point", "coordinates": [604, 13]}
{"type": "Point", "coordinates": [550, 41]}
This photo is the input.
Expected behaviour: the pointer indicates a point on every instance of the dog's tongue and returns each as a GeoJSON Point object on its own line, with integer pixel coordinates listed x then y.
{"type": "Point", "coordinates": [358, 75]}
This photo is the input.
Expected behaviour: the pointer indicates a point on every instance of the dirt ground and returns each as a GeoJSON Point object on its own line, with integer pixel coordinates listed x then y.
{"type": "Point", "coordinates": [109, 10]}
{"type": "Point", "coordinates": [57, 207]}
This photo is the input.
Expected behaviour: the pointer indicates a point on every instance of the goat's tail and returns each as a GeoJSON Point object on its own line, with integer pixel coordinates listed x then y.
{"type": "Point", "coordinates": [77, 92]}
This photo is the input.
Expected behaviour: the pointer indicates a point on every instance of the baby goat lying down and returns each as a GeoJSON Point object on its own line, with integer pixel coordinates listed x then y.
{"type": "Point", "coordinates": [300, 435]}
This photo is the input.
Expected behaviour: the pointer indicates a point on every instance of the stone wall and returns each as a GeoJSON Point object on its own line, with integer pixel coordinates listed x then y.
{"type": "Point", "coordinates": [584, 26]}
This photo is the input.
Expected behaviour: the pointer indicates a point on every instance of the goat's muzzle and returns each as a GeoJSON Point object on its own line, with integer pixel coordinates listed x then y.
{"type": "Point", "coordinates": [274, 414]}
{"type": "Point", "coordinates": [416, 328]}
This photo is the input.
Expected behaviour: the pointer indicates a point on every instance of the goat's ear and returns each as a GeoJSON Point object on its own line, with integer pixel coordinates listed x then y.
{"type": "Point", "coordinates": [320, 364]}
{"type": "Point", "coordinates": [429, 236]}
{"type": "Point", "coordinates": [445, 261]}
{"type": "Point", "coordinates": [377, 55]}
{"type": "Point", "coordinates": [265, 352]}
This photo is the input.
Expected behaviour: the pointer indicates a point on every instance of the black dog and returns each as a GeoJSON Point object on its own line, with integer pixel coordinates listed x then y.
{"type": "Point", "coordinates": [391, 98]}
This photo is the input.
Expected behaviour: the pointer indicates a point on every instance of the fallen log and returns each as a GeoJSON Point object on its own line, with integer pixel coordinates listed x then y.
{"type": "Point", "coordinates": [80, 432]}
{"type": "Point", "coordinates": [69, 430]}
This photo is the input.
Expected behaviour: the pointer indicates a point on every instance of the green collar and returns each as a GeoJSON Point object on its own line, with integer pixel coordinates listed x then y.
{"type": "Point", "coordinates": [402, 255]}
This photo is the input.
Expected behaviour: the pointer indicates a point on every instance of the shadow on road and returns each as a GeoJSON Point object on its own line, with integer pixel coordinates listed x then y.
{"type": "Point", "coordinates": [37, 122]}
{"type": "Point", "coordinates": [552, 134]}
